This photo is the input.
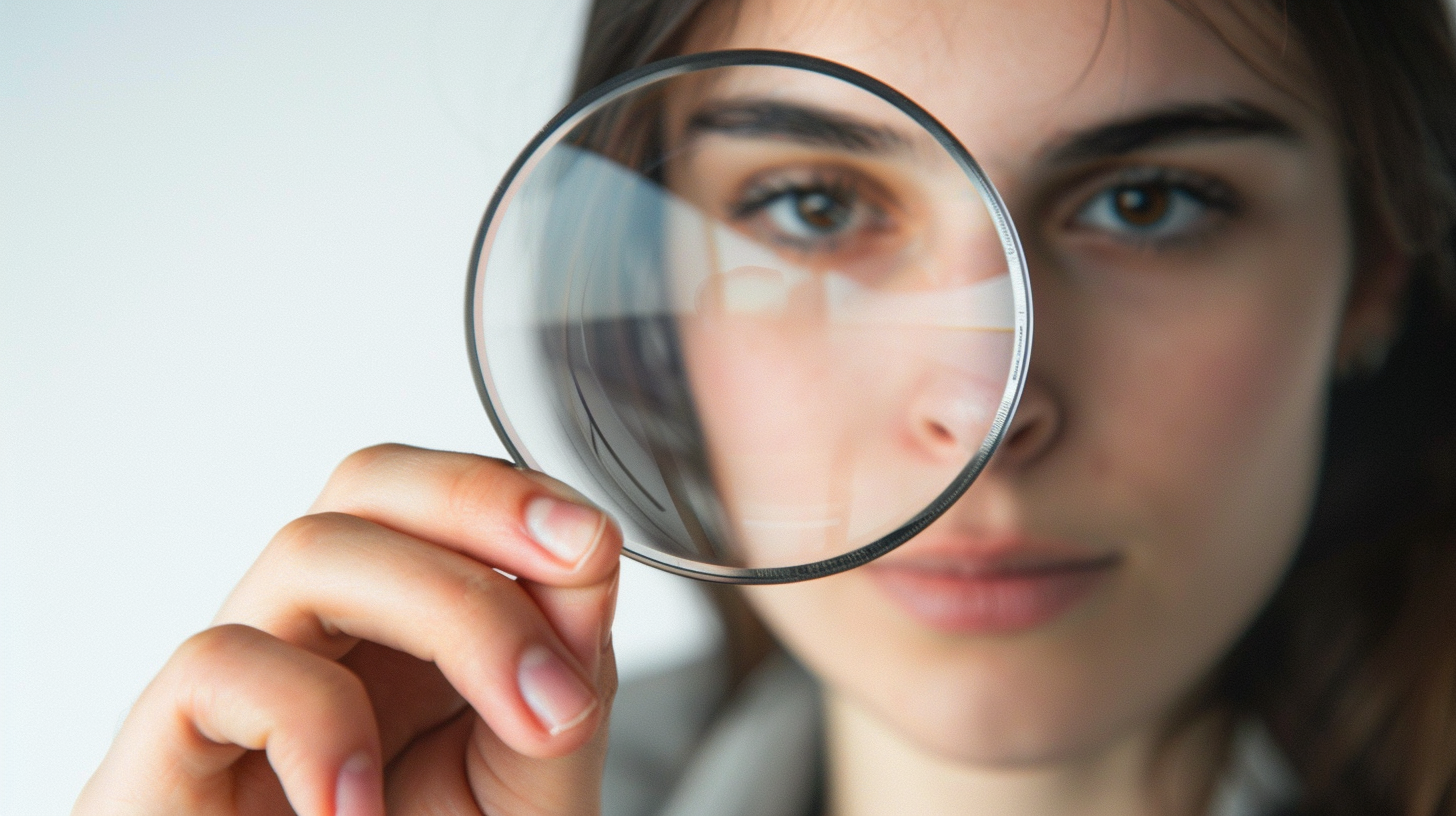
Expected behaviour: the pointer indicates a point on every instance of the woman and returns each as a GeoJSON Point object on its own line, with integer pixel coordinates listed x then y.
{"type": "Point", "coordinates": [1239, 219]}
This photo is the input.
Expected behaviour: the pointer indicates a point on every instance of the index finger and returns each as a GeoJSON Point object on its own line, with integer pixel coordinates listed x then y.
{"type": "Point", "coordinates": [518, 521]}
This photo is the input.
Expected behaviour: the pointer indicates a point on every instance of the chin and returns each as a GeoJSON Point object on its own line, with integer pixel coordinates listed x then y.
{"type": "Point", "coordinates": [1062, 689]}
{"type": "Point", "coordinates": [988, 721]}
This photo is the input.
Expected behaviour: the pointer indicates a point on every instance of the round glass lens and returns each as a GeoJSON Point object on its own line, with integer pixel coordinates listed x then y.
{"type": "Point", "coordinates": [761, 307]}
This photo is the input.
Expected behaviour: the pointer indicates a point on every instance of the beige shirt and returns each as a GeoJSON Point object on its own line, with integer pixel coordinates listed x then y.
{"type": "Point", "coordinates": [680, 747]}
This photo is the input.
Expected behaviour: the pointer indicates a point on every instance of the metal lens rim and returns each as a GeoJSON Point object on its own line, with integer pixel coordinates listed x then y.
{"type": "Point", "coordinates": [654, 72]}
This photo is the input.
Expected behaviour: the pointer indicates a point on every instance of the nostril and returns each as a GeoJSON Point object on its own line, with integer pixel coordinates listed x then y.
{"type": "Point", "coordinates": [941, 433]}
{"type": "Point", "coordinates": [951, 414]}
{"type": "Point", "coordinates": [1038, 421]}
{"type": "Point", "coordinates": [1019, 437]}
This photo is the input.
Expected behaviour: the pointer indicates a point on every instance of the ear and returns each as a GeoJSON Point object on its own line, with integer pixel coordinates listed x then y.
{"type": "Point", "coordinates": [1373, 309]}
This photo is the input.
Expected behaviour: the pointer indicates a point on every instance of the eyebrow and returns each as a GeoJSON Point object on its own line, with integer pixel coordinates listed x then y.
{"type": "Point", "coordinates": [1170, 125]}
{"type": "Point", "coordinates": [801, 124]}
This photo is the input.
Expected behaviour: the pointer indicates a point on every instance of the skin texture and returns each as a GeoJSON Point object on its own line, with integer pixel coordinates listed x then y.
{"type": "Point", "coordinates": [1172, 416]}
{"type": "Point", "coordinates": [1170, 426]}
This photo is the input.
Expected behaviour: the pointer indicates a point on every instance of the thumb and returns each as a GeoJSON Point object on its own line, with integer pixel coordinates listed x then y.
{"type": "Point", "coordinates": [498, 780]}
{"type": "Point", "coordinates": [505, 781]}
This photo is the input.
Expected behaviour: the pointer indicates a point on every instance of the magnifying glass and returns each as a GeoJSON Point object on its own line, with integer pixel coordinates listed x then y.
{"type": "Point", "coordinates": [760, 306]}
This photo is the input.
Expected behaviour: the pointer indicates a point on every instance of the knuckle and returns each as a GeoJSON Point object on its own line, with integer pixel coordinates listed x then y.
{"type": "Point", "coordinates": [228, 649]}
{"type": "Point", "coordinates": [306, 534]}
{"type": "Point", "coordinates": [216, 646]}
{"type": "Point", "coordinates": [359, 465]}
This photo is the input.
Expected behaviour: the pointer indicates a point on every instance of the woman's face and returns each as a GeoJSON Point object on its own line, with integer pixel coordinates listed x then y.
{"type": "Point", "coordinates": [846, 307]}
{"type": "Point", "coordinates": [1186, 229]}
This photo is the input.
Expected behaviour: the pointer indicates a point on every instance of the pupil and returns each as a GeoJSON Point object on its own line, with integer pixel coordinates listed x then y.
{"type": "Point", "coordinates": [1142, 206]}
{"type": "Point", "coordinates": [821, 211]}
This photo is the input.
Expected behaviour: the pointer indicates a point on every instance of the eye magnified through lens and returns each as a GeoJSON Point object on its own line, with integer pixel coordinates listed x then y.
{"type": "Point", "coordinates": [761, 307]}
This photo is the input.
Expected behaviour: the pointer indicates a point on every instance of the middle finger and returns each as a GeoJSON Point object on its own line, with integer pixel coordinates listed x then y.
{"type": "Point", "coordinates": [328, 580]}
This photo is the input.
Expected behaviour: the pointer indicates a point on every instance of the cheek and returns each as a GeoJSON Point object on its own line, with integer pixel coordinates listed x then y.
{"type": "Point", "coordinates": [1206, 415]}
{"type": "Point", "coordinates": [1194, 439]}
{"type": "Point", "coordinates": [1209, 462]}
{"type": "Point", "coordinates": [1193, 419]}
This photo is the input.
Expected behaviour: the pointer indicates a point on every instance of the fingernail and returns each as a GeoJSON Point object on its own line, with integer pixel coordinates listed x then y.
{"type": "Point", "coordinates": [359, 792]}
{"type": "Point", "coordinates": [555, 694]}
{"type": "Point", "coordinates": [566, 530]}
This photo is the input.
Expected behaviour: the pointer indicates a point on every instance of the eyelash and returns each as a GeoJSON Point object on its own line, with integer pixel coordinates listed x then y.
{"type": "Point", "coordinates": [759, 193]}
{"type": "Point", "coordinates": [761, 196]}
{"type": "Point", "coordinates": [1180, 189]}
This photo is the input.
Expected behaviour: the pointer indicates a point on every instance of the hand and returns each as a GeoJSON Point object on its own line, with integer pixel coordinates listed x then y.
{"type": "Point", "coordinates": [376, 654]}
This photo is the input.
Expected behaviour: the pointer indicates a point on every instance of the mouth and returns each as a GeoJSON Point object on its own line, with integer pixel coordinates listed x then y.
{"type": "Point", "coordinates": [979, 587]}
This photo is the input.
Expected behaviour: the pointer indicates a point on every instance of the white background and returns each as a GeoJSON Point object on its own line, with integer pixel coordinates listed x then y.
{"type": "Point", "coordinates": [232, 249]}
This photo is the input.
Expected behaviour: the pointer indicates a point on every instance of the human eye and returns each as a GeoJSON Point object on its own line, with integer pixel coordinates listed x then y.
{"type": "Point", "coordinates": [1154, 207]}
{"type": "Point", "coordinates": [817, 216]}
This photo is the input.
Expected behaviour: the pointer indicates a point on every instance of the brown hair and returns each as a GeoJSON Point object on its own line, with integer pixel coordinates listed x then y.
{"type": "Point", "coordinates": [1352, 663]}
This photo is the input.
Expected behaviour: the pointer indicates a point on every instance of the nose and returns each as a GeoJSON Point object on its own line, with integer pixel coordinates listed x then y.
{"type": "Point", "coordinates": [1035, 426]}
{"type": "Point", "coordinates": [950, 415]}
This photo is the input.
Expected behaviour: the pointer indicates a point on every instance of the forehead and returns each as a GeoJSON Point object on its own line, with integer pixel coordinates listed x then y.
{"type": "Point", "coordinates": [1009, 76]}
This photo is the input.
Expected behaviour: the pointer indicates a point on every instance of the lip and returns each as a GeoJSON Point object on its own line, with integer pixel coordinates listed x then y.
{"type": "Point", "coordinates": [990, 586]}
